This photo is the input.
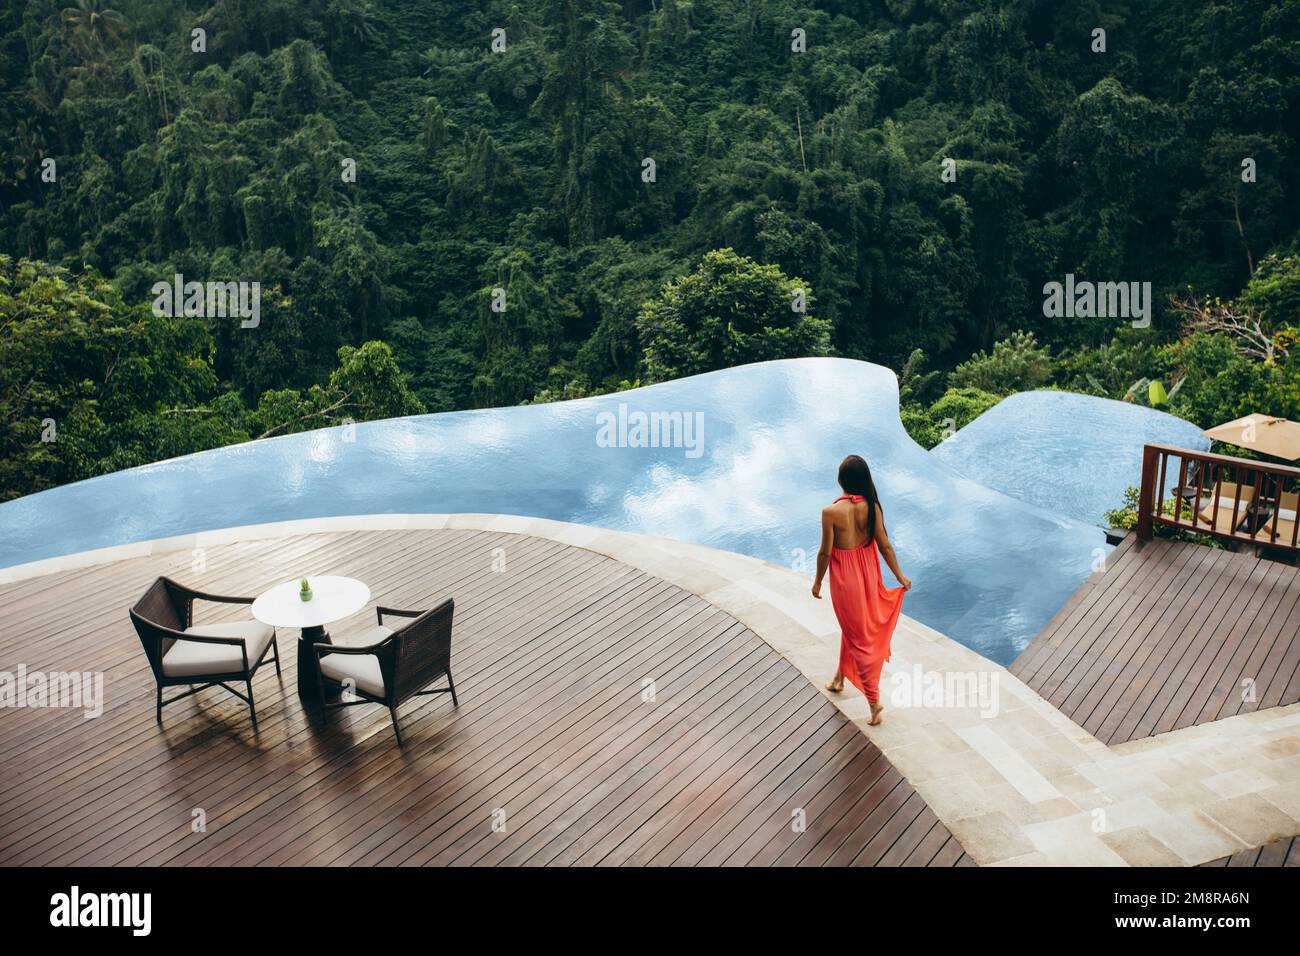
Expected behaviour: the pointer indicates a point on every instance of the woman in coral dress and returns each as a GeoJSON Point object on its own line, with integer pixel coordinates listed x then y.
{"type": "Point", "coordinates": [853, 539]}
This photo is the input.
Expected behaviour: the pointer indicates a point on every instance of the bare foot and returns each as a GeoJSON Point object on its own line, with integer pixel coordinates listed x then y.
{"type": "Point", "coordinates": [836, 685]}
{"type": "Point", "coordinates": [876, 711]}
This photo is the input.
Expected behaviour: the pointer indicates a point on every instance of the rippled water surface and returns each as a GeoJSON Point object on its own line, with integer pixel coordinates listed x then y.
{"type": "Point", "coordinates": [1071, 454]}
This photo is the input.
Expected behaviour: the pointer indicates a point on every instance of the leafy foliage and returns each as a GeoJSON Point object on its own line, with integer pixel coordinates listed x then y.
{"type": "Point", "coordinates": [1126, 518]}
{"type": "Point", "coordinates": [729, 311]}
{"type": "Point", "coordinates": [957, 408]}
{"type": "Point", "coordinates": [83, 376]}
{"type": "Point", "coordinates": [91, 384]}
{"type": "Point", "coordinates": [524, 170]}
{"type": "Point", "coordinates": [1016, 364]}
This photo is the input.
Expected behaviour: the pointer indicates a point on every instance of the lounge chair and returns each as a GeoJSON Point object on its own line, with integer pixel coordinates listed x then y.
{"type": "Point", "coordinates": [205, 655]}
{"type": "Point", "coordinates": [395, 663]}
{"type": "Point", "coordinates": [1288, 507]}
{"type": "Point", "coordinates": [1228, 496]}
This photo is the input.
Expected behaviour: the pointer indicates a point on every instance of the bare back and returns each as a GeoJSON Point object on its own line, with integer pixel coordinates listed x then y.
{"type": "Point", "coordinates": [848, 521]}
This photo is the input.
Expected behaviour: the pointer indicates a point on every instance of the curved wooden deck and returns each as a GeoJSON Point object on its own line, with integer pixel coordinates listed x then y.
{"type": "Point", "coordinates": [558, 739]}
{"type": "Point", "coordinates": [1170, 635]}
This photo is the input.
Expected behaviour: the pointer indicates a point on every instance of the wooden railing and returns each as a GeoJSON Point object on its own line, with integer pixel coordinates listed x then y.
{"type": "Point", "coordinates": [1233, 499]}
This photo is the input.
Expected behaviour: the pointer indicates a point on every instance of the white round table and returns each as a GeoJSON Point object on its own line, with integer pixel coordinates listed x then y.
{"type": "Point", "coordinates": [333, 598]}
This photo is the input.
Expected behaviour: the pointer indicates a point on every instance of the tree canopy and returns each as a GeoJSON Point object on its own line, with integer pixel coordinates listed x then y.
{"type": "Point", "coordinates": [532, 201]}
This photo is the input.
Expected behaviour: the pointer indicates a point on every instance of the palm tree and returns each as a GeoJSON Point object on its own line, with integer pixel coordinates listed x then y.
{"type": "Point", "coordinates": [357, 20]}
{"type": "Point", "coordinates": [93, 24]}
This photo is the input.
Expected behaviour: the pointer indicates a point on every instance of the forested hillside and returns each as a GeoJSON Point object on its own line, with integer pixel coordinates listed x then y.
{"type": "Point", "coordinates": [632, 177]}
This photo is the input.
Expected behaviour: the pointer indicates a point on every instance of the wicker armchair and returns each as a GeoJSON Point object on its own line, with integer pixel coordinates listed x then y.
{"type": "Point", "coordinates": [201, 656]}
{"type": "Point", "coordinates": [395, 663]}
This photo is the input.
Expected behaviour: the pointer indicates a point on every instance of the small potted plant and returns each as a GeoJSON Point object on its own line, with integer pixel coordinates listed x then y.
{"type": "Point", "coordinates": [304, 592]}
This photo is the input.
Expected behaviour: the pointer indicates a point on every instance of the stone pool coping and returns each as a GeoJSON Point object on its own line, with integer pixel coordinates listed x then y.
{"type": "Point", "coordinates": [1017, 783]}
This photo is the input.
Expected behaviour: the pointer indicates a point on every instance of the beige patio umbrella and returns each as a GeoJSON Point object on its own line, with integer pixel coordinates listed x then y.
{"type": "Point", "coordinates": [1276, 437]}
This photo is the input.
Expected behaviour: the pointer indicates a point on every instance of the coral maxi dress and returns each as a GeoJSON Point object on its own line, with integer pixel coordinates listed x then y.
{"type": "Point", "coordinates": [867, 611]}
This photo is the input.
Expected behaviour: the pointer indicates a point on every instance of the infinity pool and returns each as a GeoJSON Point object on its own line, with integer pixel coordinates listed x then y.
{"type": "Point", "coordinates": [989, 569]}
{"type": "Point", "coordinates": [1071, 454]}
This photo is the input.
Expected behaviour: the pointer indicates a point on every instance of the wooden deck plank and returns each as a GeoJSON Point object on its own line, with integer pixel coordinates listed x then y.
{"type": "Point", "coordinates": [746, 786]}
{"type": "Point", "coordinates": [722, 841]}
{"type": "Point", "coordinates": [855, 808]}
{"type": "Point", "coordinates": [589, 758]}
{"type": "Point", "coordinates": [822, 808]}
{"type": "Point", "coordinates": [1273, 674]}
{"type": "Point", "coordinates": [1061, 639]}
{"type": "Point", "coordinates": [552, 726]}
{"type": "Point", "coordinates": [1026, 664]}
{"type": "Point", "coordinates": [1106, 607]}
{"type": "Point", "coordinates": [1114, 696]}
{"type": "Point", "coordinates": [1272, 648]}
{"type": "Point", "coordinates": [334, 808]}
{"type": "Point", "coordinates": [896, 840]}
{"type": "Point", "coordinates": [688, 794]}
{"type": "Point", "coordinates": [1110, 642]}
{"type": "Point", "coordinates": [1165, 638]}
{"type": "Point", "coordinates": [478, 728]}
{"type": "Point", "coordinates": [125, 656]}
{"type": "Point", "coordinates": [629, 791]}
{"type": "Point", "coordinates": [1186, 680]}
{"type": "Point", "coordinates": [1210, 580]}
{"type": "Point", "coordinates": [794, 806]}
{"type": "Point", "coordinates": [936, 836]}
{"type": "Point", "coordinates": [222, 772]}
{"type": "Point", "coordinates": [950, 854]}
{"type": "Point", "coordinates": [222, 767]}
{"type": "Point", "coordinates": [1284, 852]}
{"type": "Point", "coordinates": [1274, 854]}
{"type": "Point", "coordinates": [1230, 659]}
{"type": "Point", "coordinates": [696, 646]}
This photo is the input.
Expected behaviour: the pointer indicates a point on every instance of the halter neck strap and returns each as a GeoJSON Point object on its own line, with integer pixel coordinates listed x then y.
{"type": "Point", "coordinates": [853, 498]}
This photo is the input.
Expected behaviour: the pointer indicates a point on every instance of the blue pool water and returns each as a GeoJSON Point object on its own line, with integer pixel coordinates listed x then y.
{"type": "Point", "coordinates": [1070, 454]}
{"type": "Point", "coordinates": [989, 569]}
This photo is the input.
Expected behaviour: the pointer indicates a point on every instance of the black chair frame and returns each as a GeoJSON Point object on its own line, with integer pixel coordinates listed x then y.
{"type": "Point", "coordinates": [169, 599]}
{"type": "Point", "coordinates": [412, 657]}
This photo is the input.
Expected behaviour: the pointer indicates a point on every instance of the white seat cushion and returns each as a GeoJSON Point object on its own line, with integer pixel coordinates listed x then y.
{"type": "Point", "coordinates": [362, 669]}
{"type": "Point", "coordinates": [195, 659]}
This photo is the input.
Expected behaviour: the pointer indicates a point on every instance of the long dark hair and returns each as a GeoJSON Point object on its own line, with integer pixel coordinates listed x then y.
{"type": "Point", "coordinates": [855, 479]}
